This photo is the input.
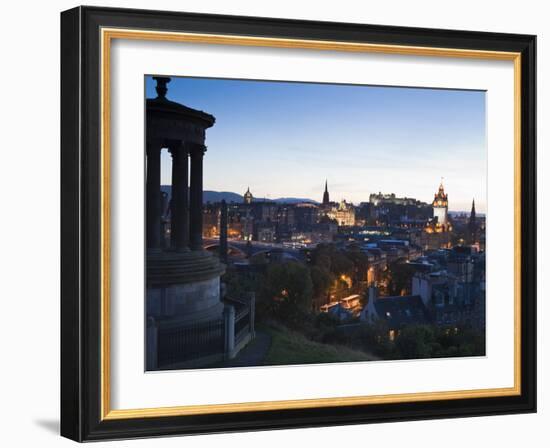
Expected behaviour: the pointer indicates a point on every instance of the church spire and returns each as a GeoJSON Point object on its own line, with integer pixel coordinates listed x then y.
{"type": "Point", "coordinates": [472, 224]}
{"type": "Point", "coordinates": [326, 198]}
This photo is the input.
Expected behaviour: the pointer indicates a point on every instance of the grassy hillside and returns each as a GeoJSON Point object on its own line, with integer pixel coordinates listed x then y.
{"type": "Point", "coordinates": [290, 347]}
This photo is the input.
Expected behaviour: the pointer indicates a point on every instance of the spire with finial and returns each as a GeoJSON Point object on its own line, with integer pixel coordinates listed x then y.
{"type": "Point", "coordinates": [248, 196]}
{"type": "Point", "coordinates": [326, 198]}
{"type": "Point", "coordinates": [440, 198]}
{"type": "Point", "coordinates": [161, 86]}
{"type": "Point", "coordinates": [472, 224]}
{"type": "Point", "coordinates": [473, 214]}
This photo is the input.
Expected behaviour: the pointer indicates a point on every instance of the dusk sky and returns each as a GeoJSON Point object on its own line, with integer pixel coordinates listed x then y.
{"type": "Point", "coordinates": [284, 139]}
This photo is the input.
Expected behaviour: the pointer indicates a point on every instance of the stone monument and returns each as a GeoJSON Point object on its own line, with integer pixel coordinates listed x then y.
{"type": "Point", "coordinates": [183, 280]}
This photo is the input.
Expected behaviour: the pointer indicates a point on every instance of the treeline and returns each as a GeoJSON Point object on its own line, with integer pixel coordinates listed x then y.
{"type": "Point", "coordinates": [411, 342]}
{"type": "Point", "coordinates": [284, 290]}
{"type": "Point", "coordinates": [285, 294]}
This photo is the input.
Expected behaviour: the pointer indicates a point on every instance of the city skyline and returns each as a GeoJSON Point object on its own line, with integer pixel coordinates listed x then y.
{"type": "Point", "coordinates": [284, 139]}
{"type": "Point", "coordinates": [233, 280]}
{"type": "Point", "coordinates": [293, 199]}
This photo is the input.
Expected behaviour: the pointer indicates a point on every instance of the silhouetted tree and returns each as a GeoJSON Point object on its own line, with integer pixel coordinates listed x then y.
{"type": "Point", "coordinates": [287, 291]}
{"type": "Point", "coordinates": [415, 342]}
{"type": "Point", "coordinates": [400, 276]}
{"type": "Point", "coordinates": [321, 279]}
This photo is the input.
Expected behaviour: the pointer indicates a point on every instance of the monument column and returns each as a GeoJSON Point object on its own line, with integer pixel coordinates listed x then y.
{"type": "Point", "coordinates": [195, 212]}
{"type": "Point", "coordinates": [153, 195]}
{"type": "Point", "coordinates": [179, 229]}
{"type": "Point", "coordinates": [223, 232]}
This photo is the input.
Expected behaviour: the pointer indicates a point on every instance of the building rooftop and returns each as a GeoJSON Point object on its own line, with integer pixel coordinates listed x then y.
{"type": "Point", "coordinates": [399, 311]}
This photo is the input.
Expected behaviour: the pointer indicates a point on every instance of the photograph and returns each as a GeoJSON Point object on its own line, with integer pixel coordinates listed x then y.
{"type": "Point", "coordinates": [293, 223]}
{"type": "Point", "coordinates": [289, 221]}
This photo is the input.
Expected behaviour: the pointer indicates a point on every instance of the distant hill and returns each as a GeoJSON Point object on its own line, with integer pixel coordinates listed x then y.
{"type": "Point", "coordinates": [218, 196]}
{"type": "Point", "coordinates": [294, 200]}
{"type": "Point", "coordinates": [211, 196]}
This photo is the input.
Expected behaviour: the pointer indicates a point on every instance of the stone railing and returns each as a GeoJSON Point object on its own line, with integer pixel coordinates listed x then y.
{"type": "Point", "coordinates": [179, 346]}
{"type": "Point", "coordinates": [241, 315]}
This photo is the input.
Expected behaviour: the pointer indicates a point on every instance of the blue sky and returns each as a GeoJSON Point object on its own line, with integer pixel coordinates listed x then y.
{"type": "Point", "coordinates": [284, 139]}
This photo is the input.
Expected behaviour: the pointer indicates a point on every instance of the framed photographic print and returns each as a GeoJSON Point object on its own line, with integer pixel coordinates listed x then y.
{"type": "Point", "coordinates": [273, 223]}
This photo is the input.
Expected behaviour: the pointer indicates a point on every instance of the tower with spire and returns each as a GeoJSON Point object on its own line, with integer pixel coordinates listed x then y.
{"type": "Point", "coordinates": [248, 196]}
{"type": "Point", "coordinates": [472, 223]}
{"type": "Point", "coordinates": [440, 206]}
{"type": "Point", "coordinates": [326, 198]}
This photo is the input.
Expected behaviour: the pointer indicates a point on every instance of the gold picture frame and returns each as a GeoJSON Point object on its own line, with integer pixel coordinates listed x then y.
{"type": "Point", "coordinates": [122, 24]}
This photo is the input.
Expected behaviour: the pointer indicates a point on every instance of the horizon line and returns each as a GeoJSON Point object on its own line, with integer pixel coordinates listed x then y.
{"type": "Point", "coordinates": [308, 199]}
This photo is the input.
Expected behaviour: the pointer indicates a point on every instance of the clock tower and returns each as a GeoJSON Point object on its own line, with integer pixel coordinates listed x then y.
{"type": "Point", "coordinates": [440, 208]}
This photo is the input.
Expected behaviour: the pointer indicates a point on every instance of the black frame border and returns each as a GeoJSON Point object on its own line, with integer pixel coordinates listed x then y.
{"type": "Point", "coordinates": [81, 223]}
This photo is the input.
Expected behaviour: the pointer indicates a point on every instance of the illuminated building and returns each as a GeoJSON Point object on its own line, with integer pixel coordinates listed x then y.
{"type": "Point", "coordinates": [343, 213]}
{"type": "Point", "coordinates": [437, 233]}
{"type": "Point", "coordinates": [247, 222]}
{"type": "Point", "coordinates": [440, 206]}
{"type": "Point", "coordinates": [385, 198]}
{"type": "Point", "coordinates": [210, 221]}
{"type": "Point", "coordinates": [390, 210]}
{"type": "Point", "coordinates": [248, 197]}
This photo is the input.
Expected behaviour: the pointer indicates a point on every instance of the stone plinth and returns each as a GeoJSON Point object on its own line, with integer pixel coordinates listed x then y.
{"type": "Point", "coordinates": [184, 286]}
